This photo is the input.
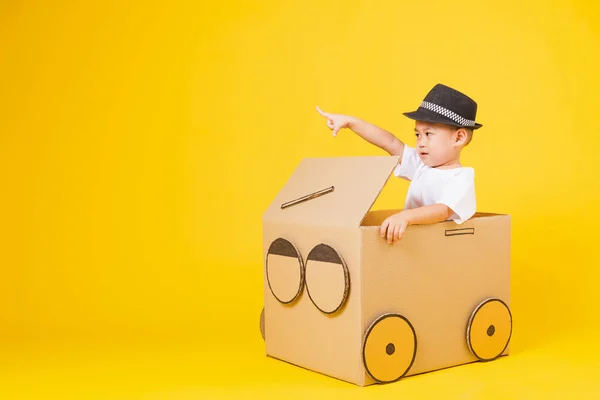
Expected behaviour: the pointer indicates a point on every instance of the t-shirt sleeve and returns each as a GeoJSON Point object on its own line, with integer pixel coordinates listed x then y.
{"type": "Point", "coordinates": [410, 163]}
{"type": "Point", "coordinates": [459, 196]}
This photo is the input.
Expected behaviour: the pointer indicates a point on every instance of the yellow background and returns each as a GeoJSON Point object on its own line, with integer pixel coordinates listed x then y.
{"type": "Point", "coordinates": [140, 143]}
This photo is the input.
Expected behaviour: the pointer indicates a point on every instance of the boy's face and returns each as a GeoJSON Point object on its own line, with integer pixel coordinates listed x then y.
{"type": "Point", "coordinates": [437, 144]}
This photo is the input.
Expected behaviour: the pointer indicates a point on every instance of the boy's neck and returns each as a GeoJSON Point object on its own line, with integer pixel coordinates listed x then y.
{"type": "Point", "coordinates": [450, 164]}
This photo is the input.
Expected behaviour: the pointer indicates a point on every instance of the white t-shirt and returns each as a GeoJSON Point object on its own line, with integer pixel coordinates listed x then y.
{"type": "Point", "coordinates": [453, 187]}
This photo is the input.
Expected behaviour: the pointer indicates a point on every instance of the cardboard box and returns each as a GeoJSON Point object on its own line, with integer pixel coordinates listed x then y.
{"type": "Point", "coordinates": [341, 301]}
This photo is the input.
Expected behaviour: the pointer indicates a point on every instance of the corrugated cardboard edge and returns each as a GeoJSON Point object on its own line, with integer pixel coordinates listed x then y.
{"type": "Point", "coordinates": [378, 193]}
{"type": "Point", "coordinates": [361, 379]}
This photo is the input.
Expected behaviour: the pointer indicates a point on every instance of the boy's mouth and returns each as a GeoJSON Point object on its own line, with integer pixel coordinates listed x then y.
{"type": "Point", "coordinates": [424, 154]}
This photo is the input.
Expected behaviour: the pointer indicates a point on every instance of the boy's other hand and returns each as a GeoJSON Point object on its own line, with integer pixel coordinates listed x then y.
{"type": "Point", "coordinates": [393, 227]}
{"type": "Point", "coordinates": [335, 122]}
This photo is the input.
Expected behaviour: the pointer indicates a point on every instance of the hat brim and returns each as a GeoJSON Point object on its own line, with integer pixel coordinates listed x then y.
{"type": "Point", "coordinates": [423, 114]}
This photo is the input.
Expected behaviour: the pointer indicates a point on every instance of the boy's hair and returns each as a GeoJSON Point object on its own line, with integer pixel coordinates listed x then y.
{"type": "Point", "coordinates": [469, 135]}
{"type": "Point", "coordinates": [468, 130]}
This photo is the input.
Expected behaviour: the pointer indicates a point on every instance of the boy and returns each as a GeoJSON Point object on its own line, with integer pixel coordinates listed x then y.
{"type": "Point", "coordinates": [441, 188]}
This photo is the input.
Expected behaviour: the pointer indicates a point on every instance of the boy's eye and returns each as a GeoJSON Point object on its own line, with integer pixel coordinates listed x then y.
{"type": "Point", "coordinates": [416, 134]}
{"type": "Point", "coordinates": [428, 133]}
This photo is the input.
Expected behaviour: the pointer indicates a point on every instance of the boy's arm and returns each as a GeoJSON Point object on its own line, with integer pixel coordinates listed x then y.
{"type": "Point", "coordinates": [371, 133]}
{"type": "Point", "coordinates": [377, 136]}
{"type": "Point", "coordinates": [393, 227]}
{"type": "Point", "coordinates": [427, 214]}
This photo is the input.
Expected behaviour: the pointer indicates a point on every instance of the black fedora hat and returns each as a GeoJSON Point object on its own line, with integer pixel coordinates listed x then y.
{"type": "Point", "coordinates": [448, 106]}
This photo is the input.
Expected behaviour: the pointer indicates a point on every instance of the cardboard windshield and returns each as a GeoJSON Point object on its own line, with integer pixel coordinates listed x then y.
{"type": "Point", "coordinates": [331, 191]}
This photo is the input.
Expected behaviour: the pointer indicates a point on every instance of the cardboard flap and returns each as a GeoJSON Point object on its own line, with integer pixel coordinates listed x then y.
{"type": "Point", "coordinates": [331, 191]}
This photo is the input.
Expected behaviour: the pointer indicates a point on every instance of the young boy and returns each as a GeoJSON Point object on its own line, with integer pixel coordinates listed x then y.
{"type": "Point", "coordinates": [441, 188]}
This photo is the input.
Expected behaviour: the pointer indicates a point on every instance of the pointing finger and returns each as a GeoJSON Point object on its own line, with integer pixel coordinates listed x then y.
{"type": "Point", "coordinates": [323, 113]}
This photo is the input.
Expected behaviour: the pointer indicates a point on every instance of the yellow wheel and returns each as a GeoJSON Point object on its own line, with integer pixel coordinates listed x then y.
{"type": "Point", "coordinates": [262, 323]}
{"type": "Point", "coordinates": [389, 348]}
{"type": "Point", "coordinates": [285, 271]}
{"type": "Point", "coordinates": [489, 329]}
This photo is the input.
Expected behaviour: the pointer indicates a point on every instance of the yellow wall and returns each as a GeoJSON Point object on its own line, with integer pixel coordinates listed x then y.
{"type": "Point", "coordinates": [140, 143]}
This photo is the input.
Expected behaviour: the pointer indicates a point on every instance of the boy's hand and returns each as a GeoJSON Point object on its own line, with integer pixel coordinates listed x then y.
{"type": "Point", "coordinates": [393, 227]}
{"type": "Point", "coordinates": [335, 122]}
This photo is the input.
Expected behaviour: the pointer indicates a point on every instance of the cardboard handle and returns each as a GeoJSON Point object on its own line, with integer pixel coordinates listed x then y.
{"type": "Point", "coordinates": [308, 197]}
{"type": "Point", "coordinates": [458, 232]}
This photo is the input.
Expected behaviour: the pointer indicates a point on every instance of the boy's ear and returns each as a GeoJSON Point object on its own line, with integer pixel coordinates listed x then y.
{"type": "Point", "coordinates": [460, 137]}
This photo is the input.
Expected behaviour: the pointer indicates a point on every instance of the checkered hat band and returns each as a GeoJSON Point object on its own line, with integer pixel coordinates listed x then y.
{"type": "Point", "coordinates": [447, 113]}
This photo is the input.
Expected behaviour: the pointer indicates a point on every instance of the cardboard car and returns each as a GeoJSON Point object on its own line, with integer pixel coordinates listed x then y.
{"type": "Point", "coordinates": [341, 301]}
